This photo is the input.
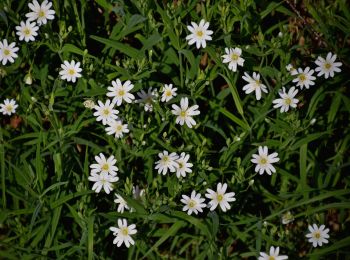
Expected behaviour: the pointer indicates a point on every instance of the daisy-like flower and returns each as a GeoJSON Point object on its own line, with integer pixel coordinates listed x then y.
{"type": "Point", "coordinates": [291, 70]}
{"type": "Point", "coordinates": [27, 31]}
{"type": "Point", "coordinates": [102, 180]}
{"type": "Point", "coordinates": [70, 71]}
{"type": "Point", "coordinates": [193, 203]}
{"type": "Point", "coordinates": [122, 204]}
{"type": "Point", "coordinates": [199, 34]}
{"type": "Point", "coordinates": [264, 161]}
{"type": "Point", "coordinates": [104, 165]}
{"type": "Point", "coordinates": [8, 52]}
{"type": "Point", "coordinates": [123, 233]}
{"type": "Point", "coordinates": [40, 13]}
{"type": "Point", "coordinates": [220, 197]}
{"type": "Point", "coordinates": [120, 92]}
{"type": "Point", "coordinates": [183, 165]}
{"type": "Point", "coordinates": [8, 107]}
{"type": "Point", "coordinates": [105, 112]}
{"type": "Point", "coordinates": [184, 113]}
{"type": "Point", "coordinates": [287, 99]}
{"type": "Point", "coordinates": [327, 66]}
{"type": "Point", "coordinates": [167, 162]}
{"type": "Point", "coordinates": [233, 58]}
{"type": "Point", "coordinates": [254, 84]}
{"type": "Point", "coordinates": [305, 78]}
{"type": "Point", "coordinates": [168, 92]}
{"type": "Point", "coordinates": [274, 255]}
{"type": "Point", "coordinates": [318, 235]}
{"type": "Point", "coordinates": [117, 128]}
{"type": "Point", "coordinates": [147, 98]}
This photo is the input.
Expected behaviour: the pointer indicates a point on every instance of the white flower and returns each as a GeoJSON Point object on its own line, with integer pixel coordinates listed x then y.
{"type": "Point", "coordinates": [199, 34]}
{"type": "Point", "coordinates": [117, 128]}
{"type": "Point", "coordinates": [122, 204]}
{"type": "Point", "coordinates": [27, 31]}
{"type": "Point", "coordinates": [183, 165]}
{"type": "Point", "coordinates": [274, 255]}
{"type": "Point", "coordinates": [287, 99]}
{"type": "Point", "coordinates": [123, 232]}
{"type": "Point", "coordinates": [291, 69]}
{"type": "Point", "coordinates": [70, 71]}
{"type": "Point", "coordinates": [305, 78]}
{"type": "Point", "coordinates": [219, 197]}
{"type": "Point", "coordinates": [104, 165]}
{"type": "Point", "coordinates": [168, 92]}
{"type": "Point", "coordinates": [102, 180]}
{"type": "Point", "coordinates": [137, 193]}
{"type": "Point", "coordinates": [184, 113]}
{"type": "Point", "coordinates": [8, 52]}
{"type": "Point", "coordinates": [167, 161]}
{"type": "Point", "coordinates": [105, 112]}
{"type": "Point", "coordinates": [8, 107]}
{"type": "Point", "coordinates": [40, 13]}
{"type": "Point", "coordinates": [193, 203]}
{"type": "Point", "coordinates": [233, 58]}
{"type": "Point", "coordinates": [327, 66]}
{"type": "Point", "coordinates": [120, 91]}
{"type": "Point", "coordinates": [264, 161]}
{"type": "Point", "coordinates": [318, 235]}
{"type": "Point", "coordinates": [147, 98]}
{"type": "Point", "coordinates": [254, 84]}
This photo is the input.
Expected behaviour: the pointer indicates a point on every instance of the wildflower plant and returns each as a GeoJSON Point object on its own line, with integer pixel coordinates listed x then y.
{"type": "Point", "coordinates": [174, 129]}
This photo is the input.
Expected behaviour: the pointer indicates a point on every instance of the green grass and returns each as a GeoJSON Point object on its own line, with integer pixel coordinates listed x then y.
{"type": "Point", "coordinates": [48, 210]}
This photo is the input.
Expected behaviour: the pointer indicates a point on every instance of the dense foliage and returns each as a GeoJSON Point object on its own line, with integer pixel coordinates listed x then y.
{"type": "Point", "coordinates": [48, 207]}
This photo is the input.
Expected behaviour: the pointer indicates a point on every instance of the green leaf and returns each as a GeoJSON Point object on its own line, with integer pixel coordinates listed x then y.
{"type": "Point", "coordinates": [123, 48]}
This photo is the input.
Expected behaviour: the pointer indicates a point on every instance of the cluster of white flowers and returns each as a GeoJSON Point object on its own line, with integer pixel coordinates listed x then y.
{"type": "Point", "coordinates": [199, 34]}
{"type": "Point", "coordinates": [304, 78]}
{"type": "Point", "coordinates": [27, 30]}
{"type": "Point", "coordinates": [195, 203]}
{"type": "Point", "coordinates": [8, 107]}
{"type": "Point", "coordinates": [174, 163]}
{"type": "Point", "coordinates": [103, 173]}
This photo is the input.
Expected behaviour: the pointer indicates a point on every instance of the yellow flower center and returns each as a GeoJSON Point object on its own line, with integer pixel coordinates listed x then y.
{"type": "Point", "coordinates": [272, 258]}
{"type": "Point", "coordinates": [121, 92]}
{"type": "Point", "coordinates": [26, 31]}
{"type": "Point", "coordinates": [71, 72]}
{"type": "Point", "coordinates": [257, 82]}
{"type": "Point", "coordinates": [106, 111]}
{"type": "Point", "coordinates": [168, 93]}
{"type": "Point", "coordinates": [234, 57]}
{"type": "Point", "coordinates": [302, 77]}
{"type": "Point", "coordinates": [105, 167]}
{"type": "Point", "coordinates": [9, 107]}
{"type": "Point", "coordinates": [181, 165]}
{"type": "Point", "coordinates": [263, 161]}
{"type": "Point", "coordinates": [317, 235]}
{"type": "Point", "coordinates": [165, 158]}
{"type": "Point", "coordinates": [183, 113]}
{"type": "Point", "coordinates": [103, 181]}
{"type": "Point", "coordinates": [125, 231]}
{"type": "Point", "coordinates": [220, 197]}
{"type": "Point", "coordinates": [41, 14]}
{"type": "Point", "coordinates": [199, 33]}
{"type": "Point", "coordinates": [119, 127]}
{"type": "Point", "coordinates": [288, 101]}
{"type": "Point", "coordinates": [191, 204]}
{"type": "Point", "coordinates": [327, 66]}
{"type": "Point", "coordinates": [7, 52]}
